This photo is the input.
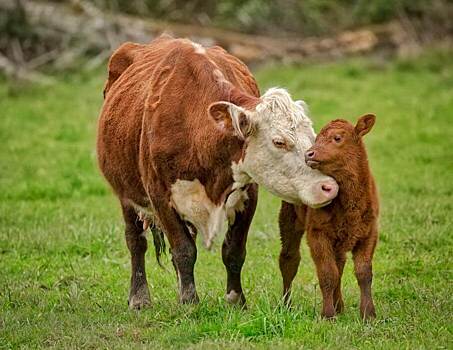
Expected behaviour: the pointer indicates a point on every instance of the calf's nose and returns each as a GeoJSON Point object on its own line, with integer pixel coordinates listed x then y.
{"type": "Point", "coordinates": [309, 155]}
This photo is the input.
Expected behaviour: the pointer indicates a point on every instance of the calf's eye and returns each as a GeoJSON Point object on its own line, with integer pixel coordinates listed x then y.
{"type": "Point", "coordinates": [337, 138]}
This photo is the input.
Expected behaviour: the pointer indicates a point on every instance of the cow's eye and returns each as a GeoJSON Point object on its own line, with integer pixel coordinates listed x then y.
{"type": "Point", "coordinates": [337, 138]}
{"type": "Point", "coordinates": [279, 143]}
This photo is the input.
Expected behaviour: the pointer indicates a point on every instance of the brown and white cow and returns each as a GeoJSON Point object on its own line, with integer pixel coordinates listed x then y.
{"type": "Point", "coordinates": [183, 139]}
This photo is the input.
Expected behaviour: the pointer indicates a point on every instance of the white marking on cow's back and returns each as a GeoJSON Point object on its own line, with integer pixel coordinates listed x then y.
{"type": "Point", "coordinates": [198, 48]}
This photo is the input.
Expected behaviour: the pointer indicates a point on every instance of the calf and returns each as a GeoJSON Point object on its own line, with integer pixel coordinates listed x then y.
{"type": "Point", "coordinates": [184, 137]}
{"type": "Point", "coordinates": [349, 223]}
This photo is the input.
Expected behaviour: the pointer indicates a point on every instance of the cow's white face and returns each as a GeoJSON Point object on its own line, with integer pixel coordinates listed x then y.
{"type": "Point", "coordinates": [278, 133]}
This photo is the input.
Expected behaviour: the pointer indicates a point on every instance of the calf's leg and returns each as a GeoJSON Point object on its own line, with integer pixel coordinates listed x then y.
{"type": "Point", "coordinates": [234, 249]}
{"type": "Point", "coordinates": [340, 260]}
{"type": "Point", "coordinates": [137, 244]}
{"type": "Point", "coordinates": [363, 255]}
{"type": "Point", "coordinates": [291, 231]}
{"type": "Point", "coordinates": [326, 268]}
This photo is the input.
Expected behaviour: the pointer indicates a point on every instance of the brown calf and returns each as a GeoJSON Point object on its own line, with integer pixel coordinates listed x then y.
{"type": "Point", "coordinates": [349, 223]}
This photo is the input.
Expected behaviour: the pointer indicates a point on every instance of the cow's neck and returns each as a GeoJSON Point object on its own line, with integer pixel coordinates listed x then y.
{"type": "Point", "coordinates": [221, 156]}
{"type": "Point", "coordinates": [212, 202]}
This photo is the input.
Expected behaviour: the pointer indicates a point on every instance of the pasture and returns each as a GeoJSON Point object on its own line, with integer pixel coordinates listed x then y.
{"type": "Point", "coordinates": [64, 265]}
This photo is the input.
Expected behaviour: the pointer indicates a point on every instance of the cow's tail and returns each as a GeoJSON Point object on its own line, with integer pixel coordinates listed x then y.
{"type": "Point", "coordinates": [159, 243]}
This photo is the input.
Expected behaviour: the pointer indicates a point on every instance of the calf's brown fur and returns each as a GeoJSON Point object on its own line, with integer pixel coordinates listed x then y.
{"type": "Point", "coordinates": [349, 223]}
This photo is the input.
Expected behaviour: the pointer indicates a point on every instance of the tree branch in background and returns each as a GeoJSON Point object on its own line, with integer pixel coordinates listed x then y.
{"type": "Point", "coordinates": [36, 33]}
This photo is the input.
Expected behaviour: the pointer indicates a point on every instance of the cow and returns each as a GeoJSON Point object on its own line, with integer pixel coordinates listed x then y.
{"type": "Point", "coordinates": [349, 223]}
{"type": "Point", "coordinates": [184, 139]}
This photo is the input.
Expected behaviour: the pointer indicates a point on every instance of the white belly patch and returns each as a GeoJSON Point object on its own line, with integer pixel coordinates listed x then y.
{"type": "Point", "coordinates": [190, 200]}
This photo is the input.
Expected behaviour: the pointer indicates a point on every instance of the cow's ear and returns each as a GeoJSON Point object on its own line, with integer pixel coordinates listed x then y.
{"type": "Point", "coordinates": [232, 118]}
{"type": "Point", "coordinates": [365, 124]}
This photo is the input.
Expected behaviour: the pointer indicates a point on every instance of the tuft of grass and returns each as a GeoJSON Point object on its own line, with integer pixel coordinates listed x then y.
{"type": "Point", "coordinates": [65, 267]}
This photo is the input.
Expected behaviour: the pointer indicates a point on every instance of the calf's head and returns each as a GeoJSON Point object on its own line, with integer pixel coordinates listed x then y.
{"type": "Point", "coordinates": [277, 132]}
{"type": "Point", "coordinates": [339, 145]}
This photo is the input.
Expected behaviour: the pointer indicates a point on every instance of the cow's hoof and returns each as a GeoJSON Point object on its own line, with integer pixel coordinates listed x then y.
{"type": "Point", "coordinates": [138, 304]}
{"type": "Point", "coordinates": [189, 295]}
{"type": "Point", "coordinates": [235, 298]}
{"type": "Point", "coordinates": [191, 299]}
{"type": "Point", "coordinates": [140, 299]}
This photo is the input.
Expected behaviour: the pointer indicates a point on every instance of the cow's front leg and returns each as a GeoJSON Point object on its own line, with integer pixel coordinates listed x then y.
{"type": "Point", "coordinates": [183, 249]}
{"type": "Point", "coordinates": [234, 248]}
{"type": "Point", "coordinates": [291, 230]}
{"type": "Point", "coordinates": [136, 242]}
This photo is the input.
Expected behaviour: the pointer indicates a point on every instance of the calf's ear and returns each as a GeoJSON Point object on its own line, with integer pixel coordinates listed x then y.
{"type": "Point", "coordinates": [365, 124]}
{"type": "Point", "coordinates": [231, 118]}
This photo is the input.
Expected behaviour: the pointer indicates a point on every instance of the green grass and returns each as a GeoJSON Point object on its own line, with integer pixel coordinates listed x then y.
{"type": "Point", "coordinates": [64, 265]}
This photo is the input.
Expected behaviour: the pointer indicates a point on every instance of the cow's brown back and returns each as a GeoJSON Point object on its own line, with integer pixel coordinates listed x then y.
{"type": "Point", "coordinates": [155, 108]}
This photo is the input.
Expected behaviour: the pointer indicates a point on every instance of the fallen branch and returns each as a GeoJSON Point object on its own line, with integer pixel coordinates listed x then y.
{"type": "Point", "coordinates": [67, 32]}
{"type": "Point", "coordinates": [100, 31]}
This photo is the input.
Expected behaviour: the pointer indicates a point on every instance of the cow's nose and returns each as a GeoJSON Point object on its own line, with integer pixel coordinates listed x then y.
{"type": "Point", "coordinates": [329, 189]}
{"type": "Point", "coordinates": [309, 155]}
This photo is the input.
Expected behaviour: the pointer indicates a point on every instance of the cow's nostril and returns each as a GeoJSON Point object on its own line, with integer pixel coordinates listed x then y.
{"type": "Point", "coordinates": [326, 188]}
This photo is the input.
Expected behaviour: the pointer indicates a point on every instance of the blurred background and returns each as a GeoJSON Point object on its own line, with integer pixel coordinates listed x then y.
{"type": "Point", "coordinates": [41, 34]}
{"type": "Point", "coordinates": [64, 264]}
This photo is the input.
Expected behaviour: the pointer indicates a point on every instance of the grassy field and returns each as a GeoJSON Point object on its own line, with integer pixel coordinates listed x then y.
{"type": "Point", "coordinates": [64, 265]}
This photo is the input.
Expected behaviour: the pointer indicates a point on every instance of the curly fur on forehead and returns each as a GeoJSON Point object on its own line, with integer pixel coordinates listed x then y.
{"type": "Point", "coordinates": [277, 105]}
{"type": "Point", "coordinates": [337, 124]}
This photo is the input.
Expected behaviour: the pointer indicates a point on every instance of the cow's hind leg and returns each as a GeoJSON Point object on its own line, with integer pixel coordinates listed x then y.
{"type": "Point", "coordinates": [182, 247]}
{"type": "Point", "coordinates": [137, 244]}
{"type": "Point", "coordinates": [234, 248]}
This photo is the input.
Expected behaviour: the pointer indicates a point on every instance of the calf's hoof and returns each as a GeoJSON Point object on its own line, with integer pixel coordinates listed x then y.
{"type": "Point", "coordinates": [288, 303]}
{"type": "Point", "coordinates": [368, 315]}
{"type": "Point", "coordinates": [235, 298]}
{"type": "Point", "coordinates": [287, 298]}
{"type": "Point", "coordinates": [328, 314]}
{"type": "Point", "coordinates": [339, 306]}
